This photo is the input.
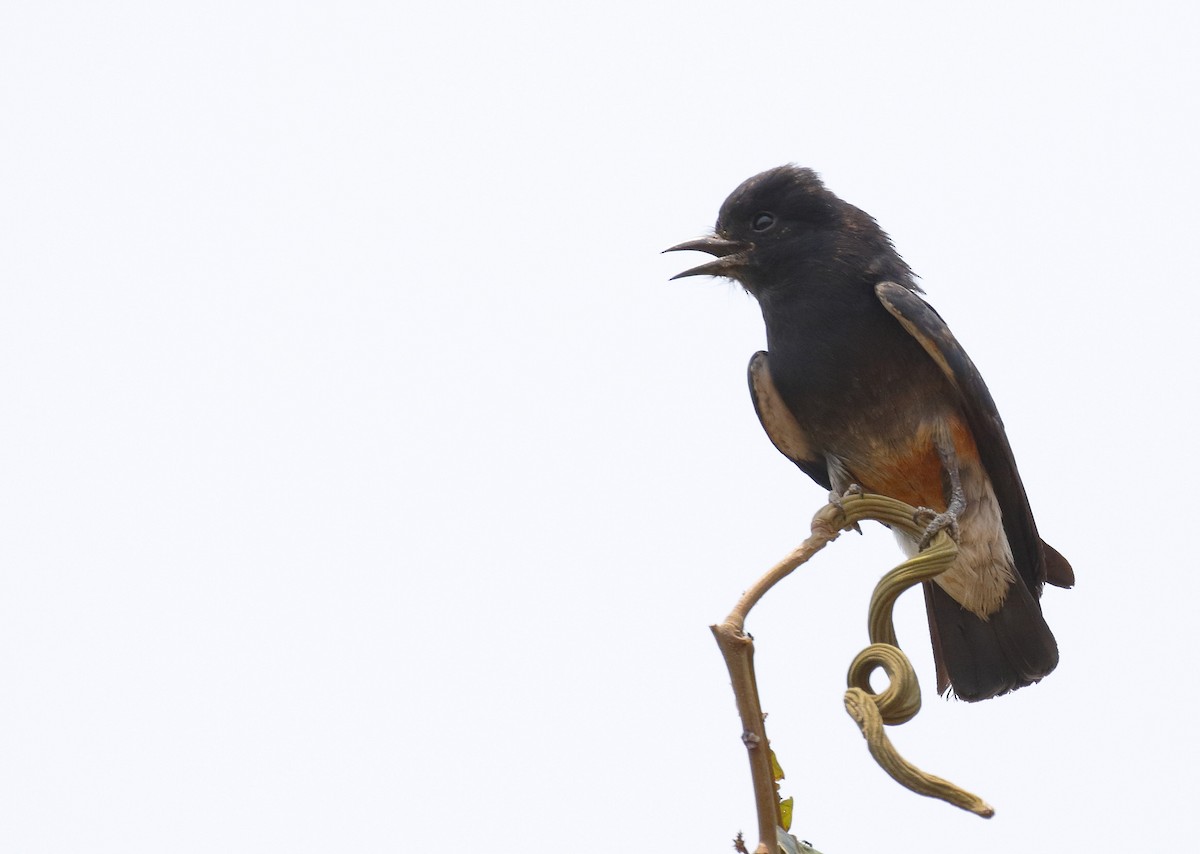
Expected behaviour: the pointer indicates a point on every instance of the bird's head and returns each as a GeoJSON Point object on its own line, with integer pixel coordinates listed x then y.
{"type": "Point", "coordinates": [762, 222]}
{"type": "Point", "coordinates": [780, 220]}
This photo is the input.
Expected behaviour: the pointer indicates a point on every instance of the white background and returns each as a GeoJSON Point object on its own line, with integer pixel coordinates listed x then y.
{"type": "Point", "coordinates": [367, 487]}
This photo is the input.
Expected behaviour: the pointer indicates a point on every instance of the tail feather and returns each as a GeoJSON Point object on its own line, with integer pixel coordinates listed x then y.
{"type": "Point", "coordinates": [1058, 571]}
{"type": "Point", "coordinates": [980, 659]}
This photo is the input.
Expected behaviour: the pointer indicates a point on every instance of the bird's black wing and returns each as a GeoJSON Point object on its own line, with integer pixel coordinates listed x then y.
{"type": "Point", "coordinates": [1036, 561]}
{"type": "Point", "coordinates": [780, 425]}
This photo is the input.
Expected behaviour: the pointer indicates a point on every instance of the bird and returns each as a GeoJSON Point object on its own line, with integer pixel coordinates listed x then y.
{"type": "Point", "coordinates": [864, 387]}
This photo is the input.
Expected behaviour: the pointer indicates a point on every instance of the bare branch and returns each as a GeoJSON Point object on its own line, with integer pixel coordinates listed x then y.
{"type": "Point", "coordinates": [897, 704]}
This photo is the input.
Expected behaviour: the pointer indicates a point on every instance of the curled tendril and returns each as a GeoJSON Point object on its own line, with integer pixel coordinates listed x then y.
{"type": "Point", "coordinates": [861, 706]}
{"type": "Point", "coordinates": [901, 700]}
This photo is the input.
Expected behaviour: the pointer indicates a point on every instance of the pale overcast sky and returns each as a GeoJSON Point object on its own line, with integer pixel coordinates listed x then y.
{"type": "Point", "coordinates": [368, 487]}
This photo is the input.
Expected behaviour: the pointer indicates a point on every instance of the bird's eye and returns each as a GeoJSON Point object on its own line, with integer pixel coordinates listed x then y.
{"type": "Point", "coordinates": [762, 221]}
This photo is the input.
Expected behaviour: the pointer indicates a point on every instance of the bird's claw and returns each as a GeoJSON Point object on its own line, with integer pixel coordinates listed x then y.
{"type": "Point", "coordinates": [935, 522]}
{"type": "Point", "coordinates": [836, 500]}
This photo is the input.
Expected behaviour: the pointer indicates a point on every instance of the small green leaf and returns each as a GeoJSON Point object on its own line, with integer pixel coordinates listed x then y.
{"type": "Point", "coordinates": [785, 812]}
{"type": "Point", "coordinates": [776, 768]}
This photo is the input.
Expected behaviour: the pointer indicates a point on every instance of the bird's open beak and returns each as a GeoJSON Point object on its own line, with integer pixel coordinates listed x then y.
{"type": "Point", "coordinates": [730, 256]}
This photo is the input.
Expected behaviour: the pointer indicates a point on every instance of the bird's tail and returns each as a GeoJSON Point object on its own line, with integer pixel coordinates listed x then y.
{"type": "Point", "coordinates": [979, 659]}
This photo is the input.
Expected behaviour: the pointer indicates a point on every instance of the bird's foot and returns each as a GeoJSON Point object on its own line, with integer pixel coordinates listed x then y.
{"type": "Point", "coordinates": [935, 522]}
{"type": "Point", "coordinates": [835, 498]}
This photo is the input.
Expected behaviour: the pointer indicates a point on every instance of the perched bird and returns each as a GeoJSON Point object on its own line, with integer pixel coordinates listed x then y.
{"type": "Point", "coordinates": [864, 387]}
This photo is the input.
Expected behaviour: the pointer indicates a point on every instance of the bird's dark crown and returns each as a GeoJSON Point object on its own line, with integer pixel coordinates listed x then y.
{"type": "Point", "coordinates": [794, 194]}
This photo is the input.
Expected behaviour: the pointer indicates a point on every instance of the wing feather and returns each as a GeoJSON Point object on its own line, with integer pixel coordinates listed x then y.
{"type": "Point", "coordinates": [1035, 561]}
{"type": "Point", "coordinates": [780, 425]}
